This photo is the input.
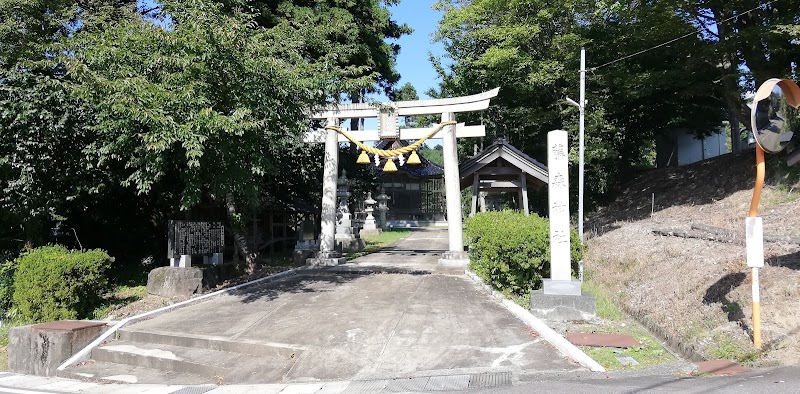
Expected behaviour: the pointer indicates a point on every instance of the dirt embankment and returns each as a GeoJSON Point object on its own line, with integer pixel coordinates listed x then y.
{"type": "Point", "coordinates": [697, 290]}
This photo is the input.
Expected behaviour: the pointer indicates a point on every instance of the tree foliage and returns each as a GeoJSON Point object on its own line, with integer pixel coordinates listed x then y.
{"type": "Point", "coordinates": [210, 104]}
{"type": "Point", "coordinates": [530, 49]}
{"type": "Point", "coordinates": [190, 101]}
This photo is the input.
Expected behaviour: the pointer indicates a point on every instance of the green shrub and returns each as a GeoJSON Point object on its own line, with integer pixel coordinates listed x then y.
{"type": "Point", "coordinates": [52, 283]}
{"type": "Point", "coordinates": [511, 251]}
{"type": "Point", "coordinates": [6, 286]}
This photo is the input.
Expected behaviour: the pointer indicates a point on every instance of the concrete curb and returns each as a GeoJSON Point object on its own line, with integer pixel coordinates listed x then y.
{"type": "Point", "coordinates": [555, 339]}
{"type": "Point", "coordinates": [83, 354]}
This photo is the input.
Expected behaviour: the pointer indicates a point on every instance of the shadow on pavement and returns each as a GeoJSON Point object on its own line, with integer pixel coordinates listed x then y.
{"type": "Point", "coordinates": [315, 282]}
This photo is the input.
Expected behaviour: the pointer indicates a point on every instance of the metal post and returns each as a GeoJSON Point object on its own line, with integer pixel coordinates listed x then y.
{"type": "Point", "coordinates": [755, 252]}
{"type": "Point", "coordinates": [756, 309]}
{"type": "Point", "coordinates": [580, 143]}
{"type": "Point", "coordinates": [581, 104]}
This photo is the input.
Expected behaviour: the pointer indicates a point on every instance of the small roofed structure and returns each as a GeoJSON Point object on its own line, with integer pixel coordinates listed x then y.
{"type": "Point", "coordinates": [416, 192]}
{"type": "Point", "coordinates": [502, 168]}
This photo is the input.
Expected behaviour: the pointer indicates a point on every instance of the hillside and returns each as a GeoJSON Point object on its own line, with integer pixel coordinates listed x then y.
{"type": "Point", "coordinates": [696, 291]}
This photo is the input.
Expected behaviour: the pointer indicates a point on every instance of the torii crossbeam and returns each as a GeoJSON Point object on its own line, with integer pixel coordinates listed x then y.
{"type": "Point", "coordinates": [387, 114]}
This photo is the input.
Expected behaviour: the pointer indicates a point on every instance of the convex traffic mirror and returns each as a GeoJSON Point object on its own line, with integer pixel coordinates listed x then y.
{"type": "Point", "coordinates": [768, 115]}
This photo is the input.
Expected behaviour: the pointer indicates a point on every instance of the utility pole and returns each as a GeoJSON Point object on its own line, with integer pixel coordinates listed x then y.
{"type": "Point", "coordinates": [580, 144]}
{"type": "Point", "coordinates": [581, 109]}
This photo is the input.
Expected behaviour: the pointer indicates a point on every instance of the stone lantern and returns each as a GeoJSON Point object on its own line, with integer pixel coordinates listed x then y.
{"type": "Point", "coordinates": [345, 236]}
{"type": "Point", "coordinates": [382, 208]}
{"type": "Point", "coordinates": [370, 227]}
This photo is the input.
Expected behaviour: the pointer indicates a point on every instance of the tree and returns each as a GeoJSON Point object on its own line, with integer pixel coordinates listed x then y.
{"type": "Point", "coordinates": [210, 102]}
{"type": "Point", "coordinates": [750, 40]}
{"type": "Point", "coordinates": [188, 101]}
{"type": "Point", "coordinates": [363, 25]}
{"type": "Point", "coordinates": [529, 48]}
{"type": "Point", "coordinates": [42, 126]}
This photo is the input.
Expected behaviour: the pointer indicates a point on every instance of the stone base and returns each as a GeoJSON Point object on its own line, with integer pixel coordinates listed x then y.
{"type": "Point", "coordinates": [175, 282]}
{"type": "Point", "coordinates": [556, 307]}
{"type": "Point", "coordinates": [184, 261]}
{"type": "Point", "coordinates": [39, 349]}
{"type": "Point", "coordinates": [300, 256]}
{"type": "Point", "coordinates": [561, 287]}
{"type": "Point", "coordinates": [454, 259]}
{"type": "Point", "coordinates": [326, 259]}
{"type": "Point", "coordinates": [349, 244]}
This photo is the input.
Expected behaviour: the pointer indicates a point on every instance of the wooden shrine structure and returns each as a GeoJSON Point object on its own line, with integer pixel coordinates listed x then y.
{"type": "Point", "coordinates": [502, 168]}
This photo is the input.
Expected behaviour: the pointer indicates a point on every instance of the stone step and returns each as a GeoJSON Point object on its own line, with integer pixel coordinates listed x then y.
{"type": "Point", "coordinates": [107, 372]}
{"type": "Point", "coordinates": [212, 365]}
{"type": "Point", "coordinates": [241, 346]}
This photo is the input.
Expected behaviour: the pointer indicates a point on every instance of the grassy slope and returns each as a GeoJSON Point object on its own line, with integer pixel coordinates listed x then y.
{"type": "Point", "coordinates": [698, 291]}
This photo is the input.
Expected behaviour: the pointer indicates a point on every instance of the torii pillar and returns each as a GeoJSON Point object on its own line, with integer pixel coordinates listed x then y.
{"type": "Point", "coordinates": [387, 115]}
{"type": "Point", "coordinates": [327, 254]}
{"type": "Point", "coordinates": [455, 256]}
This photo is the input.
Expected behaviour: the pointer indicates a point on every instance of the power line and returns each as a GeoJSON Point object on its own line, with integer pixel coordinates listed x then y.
{"type": "Point", "coordinates": [679, 38]}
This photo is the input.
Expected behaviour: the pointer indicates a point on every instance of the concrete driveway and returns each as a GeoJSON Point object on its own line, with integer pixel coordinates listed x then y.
{"type": "Point", "coordinates": [386, 315]}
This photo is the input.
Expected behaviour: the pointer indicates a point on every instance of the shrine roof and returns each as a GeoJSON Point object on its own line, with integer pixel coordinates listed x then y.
{"type": "Point", "coordinates": [427, 169]}
{"type": "Point", "coordinates": [502, 159]}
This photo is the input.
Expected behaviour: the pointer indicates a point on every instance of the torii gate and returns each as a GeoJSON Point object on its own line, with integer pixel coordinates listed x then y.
{"type": "Point", "coordinates": [387, 114]}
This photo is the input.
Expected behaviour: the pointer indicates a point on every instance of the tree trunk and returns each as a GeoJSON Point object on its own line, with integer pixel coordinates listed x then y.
{"type": "Point", "coordinates": [738, 112]}
{"type": "Point", "coordinates": [735, 132]}
{"type": "Point", "coordinates": [239, 238]}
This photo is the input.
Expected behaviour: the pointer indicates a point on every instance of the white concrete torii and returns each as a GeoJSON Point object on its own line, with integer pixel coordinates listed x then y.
{"type": "Point", "coordinates": [387, 114]}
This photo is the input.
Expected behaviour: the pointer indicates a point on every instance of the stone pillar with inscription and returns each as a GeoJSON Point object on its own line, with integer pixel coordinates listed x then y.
{"type": "Point", "coordinates": [560, 281]}
{"type": "Point", "coordinates": [561, 297]}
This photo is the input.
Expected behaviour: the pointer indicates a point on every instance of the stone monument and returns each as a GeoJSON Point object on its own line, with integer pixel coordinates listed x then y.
{"type": "Point", "coordinates": [306, 245]}
{"type": "Point", "coordinates": [561, 297]}
{"type": "Point", "coordinates": [188, 238]}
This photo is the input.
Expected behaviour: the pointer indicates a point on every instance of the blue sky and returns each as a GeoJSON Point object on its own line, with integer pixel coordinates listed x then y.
{"type": "Point", "coordinates": [412, 63]}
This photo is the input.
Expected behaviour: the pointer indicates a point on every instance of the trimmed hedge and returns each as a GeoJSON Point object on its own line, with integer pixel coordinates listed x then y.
{"type": "Point", "coordinates": [511, 251]}
{"type": "Point", "coordinates": [53, 283]}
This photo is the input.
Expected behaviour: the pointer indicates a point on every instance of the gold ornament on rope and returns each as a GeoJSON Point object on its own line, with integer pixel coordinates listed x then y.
{"type": "Point", "coordinates": [363, 158]}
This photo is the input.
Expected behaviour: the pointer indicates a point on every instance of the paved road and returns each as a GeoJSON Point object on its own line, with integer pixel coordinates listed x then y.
{"type": "Point", "coordinates": [352, 323]}
{"type": "Point", "coordinates": [357, 326]}
{"type": "Point", "coordinates": [776, 380]}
